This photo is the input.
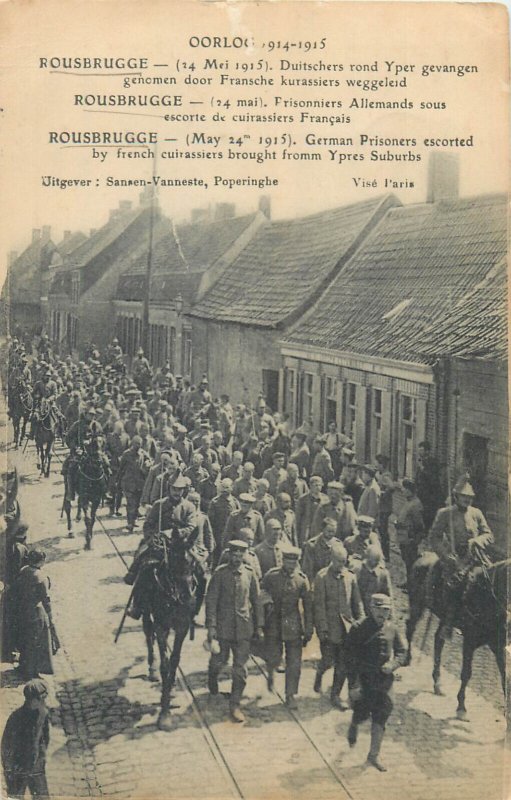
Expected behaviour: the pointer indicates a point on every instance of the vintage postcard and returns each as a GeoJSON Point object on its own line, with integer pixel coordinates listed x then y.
{"type": "Point", "coordinates": [254, 412]}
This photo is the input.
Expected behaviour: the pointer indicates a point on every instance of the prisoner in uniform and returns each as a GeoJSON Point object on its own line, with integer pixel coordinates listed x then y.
{"type": "Point", "coordinates": [269, 551]}
{"type": "Point", "coordinates": [133, 468]}
{"type": "Point", "coordinates": [316, 552]}
{"type": "Point", "coordinates": [289, 620]}
{"type": "Point", "coordinates": [375, 649]}
{"type": "Point", "coordinates": [233, 616]}
{"type": "Point", "coordinates": [337, 605]}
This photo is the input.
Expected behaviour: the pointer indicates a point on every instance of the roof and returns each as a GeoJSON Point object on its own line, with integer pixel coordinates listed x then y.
{"type": "Point", "coordinates": [24, 274]}
{"type": "Point", "coordinates": [194, 246]}
{"type": "Point", "coordinates": [286, 263]}
{"type": "Point", "coordinates": [478, 324]}
{"type": "Point", "coordinates": [431, 256]}
{"type": "Point", "coordinates": [180, 256]}
{"type": "Point", "coordinates": [71, 242]}
{"type": "Point", "coordinates": [123, 238]}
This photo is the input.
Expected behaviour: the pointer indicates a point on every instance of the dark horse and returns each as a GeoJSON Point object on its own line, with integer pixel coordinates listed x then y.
{"type": "Point", "coordinates": [170, 588]}
{"type": "Point", "coordinates": [45, 424]}
{"type": "Point", "coordinates": [93, 475]}
{"type": "Point", "coordinates": [481, 619]}
{"type": "Point", "coordinates": [20, 409]}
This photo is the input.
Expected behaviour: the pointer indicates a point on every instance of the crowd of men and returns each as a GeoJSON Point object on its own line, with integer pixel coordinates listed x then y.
{"type": "Point", "coordinates": [296, 533]}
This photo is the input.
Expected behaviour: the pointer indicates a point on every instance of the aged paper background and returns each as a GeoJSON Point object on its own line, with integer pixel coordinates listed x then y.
{"type": "Point", "coordinates": [35, 101]}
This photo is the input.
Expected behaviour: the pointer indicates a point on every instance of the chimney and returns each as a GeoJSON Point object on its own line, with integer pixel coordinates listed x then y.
{"type": "Point", "coordinates": [125, 205]}
{"type": "Point", "coordinates": [45, 234]}
{"type": "Point", "coordinates": [11, 258]}
{"type": "Point", "coordinates": [224, 211]}
{"type": "Point", "coordinates": [264, 205]}
{"type": "Point", "coordinates": [67, 235]}
{"type": "Point", "coordinates": [443, 177]}
{"type": "Point", "coordinates": [114, 213]}
{"type": "Point", "coordinates": [148, 196]}
{"type": "Point", "coordinates": [36, 235]}
{"type": "Point", "coordinates": [199, 215]}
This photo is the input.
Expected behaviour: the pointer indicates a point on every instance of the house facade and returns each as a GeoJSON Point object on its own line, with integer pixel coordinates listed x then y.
{"type": "Point", "coordinates": [24, 284]}
{"type": "Point", "coordinates": [239, 319]}
{"type": "Point", "coordinates": [183, 258]}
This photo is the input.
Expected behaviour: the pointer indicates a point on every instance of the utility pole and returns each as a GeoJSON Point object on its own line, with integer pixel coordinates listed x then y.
{"type": "Point", "coordinates": [145, 338]}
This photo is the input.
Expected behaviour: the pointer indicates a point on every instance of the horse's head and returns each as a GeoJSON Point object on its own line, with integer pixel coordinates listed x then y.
{"type": "Point", "coordinates": [485, 596]}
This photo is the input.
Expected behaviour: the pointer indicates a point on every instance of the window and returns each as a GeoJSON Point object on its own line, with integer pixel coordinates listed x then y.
{"type": "Point", "coordinates": [407, 437]}
{"type": "Point", "coordinates": [187, 352]}
{"type": "Point", "coordinates": [75, 288]}
{"type": "Point", "coordinates": [307, 396]}
{"type": "Point", "coordinates": [290, 392]}
{"type": "Point", "coordinates": [330, 401]}
{"type": "Point", "coordinates": [350, 417]}
{"type": "Point", "coordinates": [376, 423]}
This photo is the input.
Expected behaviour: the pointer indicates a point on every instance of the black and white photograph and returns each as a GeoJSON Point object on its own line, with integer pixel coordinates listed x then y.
{"type": "Point", "coordinates": [254, 407]}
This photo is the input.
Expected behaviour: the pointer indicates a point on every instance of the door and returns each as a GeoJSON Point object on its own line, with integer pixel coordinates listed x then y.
{"type": "Point", "coordinates": [475, 462]}
{"type": "Point", "coordinates": [271, 388]}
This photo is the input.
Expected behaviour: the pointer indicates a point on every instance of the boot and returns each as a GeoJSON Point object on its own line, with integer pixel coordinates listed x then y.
{"type": "Point", "coordinates": [237, 714]}
{"type": "Point", "coordinates": [336, 701]}
{"type": "Point", "coordinates": [269, 680]}
{"type": "Point", "coordinates": [377, 734]}
{"type": "Point", "coordinates": [134, 611]}
{"type": "Point", "coordinates": [212, 684]}
{"type": "Point", "coordinates": [291, 702]}
{"type": "Point", "coordinates": [352, 734]}
{"type": "Point", "coordinates": [317, 681]}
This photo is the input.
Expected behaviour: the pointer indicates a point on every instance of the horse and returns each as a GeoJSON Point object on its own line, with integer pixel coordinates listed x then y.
{"type": "Point", "coordinates": [20, 410]}
{"type": "Point", "coordinates": [45, 425]}
{"type": "Point", "coordinates": [93, 475]}
{"type": "Point", "coordinates": [170, 603]}
{"type": "Point", "coordinates": [481, 618]}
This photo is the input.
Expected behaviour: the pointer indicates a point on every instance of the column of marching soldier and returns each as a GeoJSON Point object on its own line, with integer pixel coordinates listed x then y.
{"type": "Point", "coordinates": [296, 533]}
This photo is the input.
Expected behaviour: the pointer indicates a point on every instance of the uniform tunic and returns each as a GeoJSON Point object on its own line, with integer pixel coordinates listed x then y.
{"type": "Point", "coordinates": [463, 524]}
{"type": "Point", "coordinates": [368, 648]}
{"type": "Point", "coordinates": [288, 620]}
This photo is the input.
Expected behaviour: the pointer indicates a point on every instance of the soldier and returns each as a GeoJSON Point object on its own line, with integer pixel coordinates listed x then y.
{"type": "Point", "coordinates": [337, 508]}
{"type": "Point", "coordinates": [372, 576]}
{"type": "Point", "coordinates": [306, 507]}
{"type": "Point", "coordinates": [369, 503]}
{"type": "Point", "coordinates": [375, 649]}
{"type": "Point", "coordinates": [322, 461]}
{"type": "Point", "coordinates": [116, 443]}
{"type": "Point", "coordinates": [207, 452]}
{"type": "Point", "coordinates": [141, 371]}
{"type": "Point", "coordinates": [222, 453]}
{"type": "Point", "coordinates": [226, 419]}
{"type": "Point", "coordinates": [293, 485]}
{"type": "Point", "coordinates": [300, 453]}
{"type": "Point", "coordinates": [458, 532]}
{"type": "Point", "coordinates": [337, 605]}
{"type": "Point", "coordinates": [285, 516]}
{"type": "Point", "coordinates": [427, 481]}
{"type": "Point", "coordinates": [364, 535]}
{"type": "Point", "coordinates": [82, 430]}
{"type": "Point", "coordinates": [247, 484]}
{"type": "Point", "coordinates": [196, 472]}
{"type": "Point", "coordinates": [208, 488]}
{"type": "Point", "coordinates": [233, 615]}
{"type": "Point", "coordinates": [133, 423]}
{"type": "Point", "coordinates": [183, 444]}
{"type": "Point", "coordinates": [158, 476]}
{"type": "Point", "coordinates": [276, 474]}
{"type": "Point", "coordinates": [289, 621]}
{"type": "Point", "coordinates": [269, 551]}
{"type": "Point", "coordinates": [205, 536]}
{"type": "Point", "coordinates": [246, 517]}
{"type": "Point", "coordinates": [410, 528]}
{"type": "Point", "coordinates": [172, 515]}
{"type": "Point", "coordinates": [264, 502]}
{"type": "Point", "coordinates": [133, 468]}
{"type": "Point", "coordinates": [261, 418]}
{"type": "Point", "coordinates": [316, 552]}
{"type": "Point", "coordinates": [220, 509]}
{"type": "Point", "coordinates": [234, 470]}
{"type": "Point", "coordinates": [24, 743]}
{"type": "Point", "coordinates": [250, 557]}
{"type": "Point", "coordinates": [387, 486]}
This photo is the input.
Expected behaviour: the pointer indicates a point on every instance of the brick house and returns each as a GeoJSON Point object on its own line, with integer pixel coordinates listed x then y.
{"type": "Point", "coordinates": [471, 346]}
{"type": "Point", "coordinates": [183, 257]}
{"type": "Point", "coordinates": [23, 287]}
{"type": "Point", "coordinates": [367, 355]}
{"type": "Point", "coordinates": [81, 292]}
{"type": "Point", "coordinates": [239, 319]}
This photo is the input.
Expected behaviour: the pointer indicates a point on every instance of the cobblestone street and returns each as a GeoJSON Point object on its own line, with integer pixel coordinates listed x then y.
{"type": "Point", "coordinates": [104, 708]}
